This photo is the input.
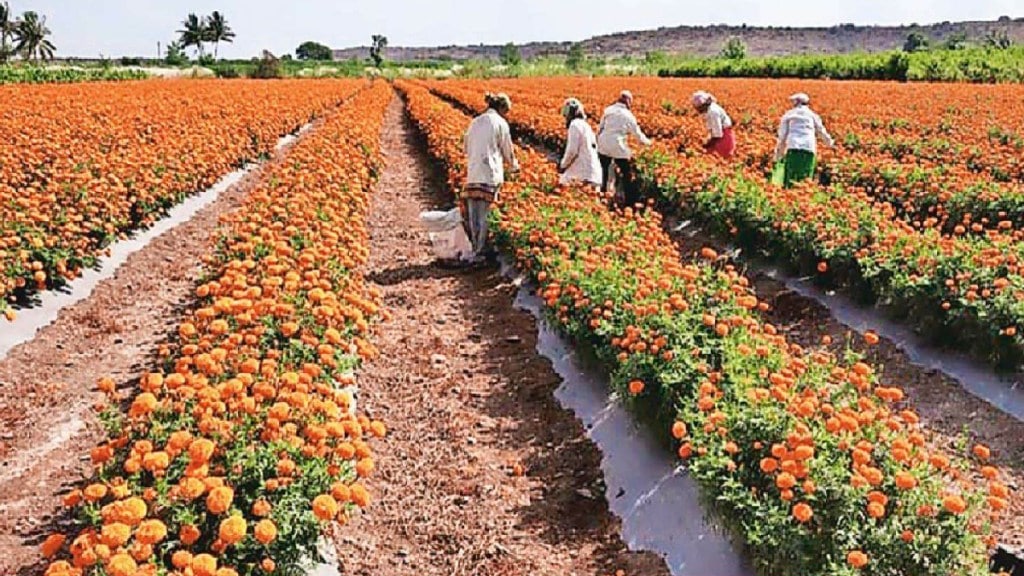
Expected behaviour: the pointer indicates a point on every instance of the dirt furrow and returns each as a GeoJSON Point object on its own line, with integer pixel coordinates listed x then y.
{"type": "Point", "coordinates": [482, 471]}
{"type": "Point", "coordinates": [48, 384]}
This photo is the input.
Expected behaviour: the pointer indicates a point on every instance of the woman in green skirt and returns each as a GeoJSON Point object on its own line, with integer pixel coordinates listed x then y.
{"type": "Point", "coordinates": [798, 140]}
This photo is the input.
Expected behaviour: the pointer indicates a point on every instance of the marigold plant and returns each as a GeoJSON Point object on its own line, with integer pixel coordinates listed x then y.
{"type": "Point", "coordinates": [227, 448]}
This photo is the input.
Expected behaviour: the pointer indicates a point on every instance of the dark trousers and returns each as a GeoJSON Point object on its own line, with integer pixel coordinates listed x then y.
{"type": "Point", "coordinates": [625, 173]}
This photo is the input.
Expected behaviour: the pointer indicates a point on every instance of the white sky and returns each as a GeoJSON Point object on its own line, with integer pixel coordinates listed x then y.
{"type": "Point", "coordinates": [117, 27]}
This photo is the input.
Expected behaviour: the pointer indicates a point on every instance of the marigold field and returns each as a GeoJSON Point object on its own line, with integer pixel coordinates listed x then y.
{"type": "Point", "coordinates": [242, 443]}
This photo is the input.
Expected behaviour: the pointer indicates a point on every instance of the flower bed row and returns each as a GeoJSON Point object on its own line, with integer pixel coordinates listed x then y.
{"type": "Point", "coordinates": [962, 290]}
{"type": "Point", "coordinates": [237, 451]}
{"type": "Point", "coordinates": [814, 465]}
{"type": "Point", "coordinates": [82, 165]}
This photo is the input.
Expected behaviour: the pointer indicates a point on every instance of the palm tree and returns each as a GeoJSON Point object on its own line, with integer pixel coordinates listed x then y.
{"type": "Point", "coordinates": [32, 41]}
{"type": "Point", "coordinates": [217, 31]}
{"type": "Point", "coordinates": [8, 28]}
{"type": "Point", "coordinates": [194, 32]}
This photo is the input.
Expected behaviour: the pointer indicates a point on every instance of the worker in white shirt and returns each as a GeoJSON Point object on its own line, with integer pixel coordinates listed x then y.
{"type": "Point", "coordinates": [489, 147]}
{"type": "Point", "coordinates": [617, 124]}
{"type": "Point", "coordinates": [721, 140]}
{"type": "Point", "coordinates": [580, 164]}
{"type": "Point", "coordinates": [797, 147]}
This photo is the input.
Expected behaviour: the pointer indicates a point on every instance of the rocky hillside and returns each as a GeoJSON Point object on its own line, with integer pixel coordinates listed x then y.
{"type": "Point", "coordinates": [708, 40]}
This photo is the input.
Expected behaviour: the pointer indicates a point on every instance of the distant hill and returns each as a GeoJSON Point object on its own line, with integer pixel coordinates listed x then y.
{"type": "Point", "coordinates": [708, 41]}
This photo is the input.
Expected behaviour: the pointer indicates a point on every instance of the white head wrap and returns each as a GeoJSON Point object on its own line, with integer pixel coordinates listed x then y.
{"type": "Point", "coordinates": [572, 104]}
{"type": "Point", "coordinates": [700, 98]}
{"type": "Point", "coordinates": [800, 99]}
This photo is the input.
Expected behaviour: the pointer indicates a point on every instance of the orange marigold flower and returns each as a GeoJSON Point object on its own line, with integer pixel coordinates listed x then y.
{"type": "Point", "coordinates": [785, 481]}
{"type": "Point", "coordinates": [52, 545]}
{"type": "Point", "coordinates": [802, 512]}
{"type": "Point", "coordinates": [954, 504]}
{"type": "Point", "coordinates": [191, 488]}
{"type": "Point", "coordinates": [265, 531]}
{"type": "Point", "coordinates": [360, 495]}
{"type": "Point", "coordinates": [200, 450]}
{"type": "Point", "coordinates": [116, 534]}
{"type": "Point", "coordinates": [325, 507]}
{"type": "Point", "coordinates": [95, 492]}
{"type": "Point", "coordinates": [905, 480]}
{"type": "Point", "coordinates": [219, 499]}
{"type": "Point", "coordinates": [998, 489]}
{"type": "Point", "coordinates": [204, 565]}
{"type": "Point", "coordinates": [857, 559]}
{"type": "Point", "coordinates": [189, 534]}
{"type": "Point", "coordinates": [876, 509]}
{"type": "Point", "coordinates": [133, 510]}
{"type": "Point", "coordinates": [998, 504]}
{"type": "Point", "coordinates": [122, 565]}
{"type": "Point", "coordinates": [143, 404]}
{"type": "Point", "coordinates": [181, 559]}
{"type": "Point", "coordinates": [151, 532]}
{"type": "Point", "coordinates": [261, 508]}
{"type": "Point", "coordinates": [232, 530]}
{"type": "Point", "coordinates": [982, 452]}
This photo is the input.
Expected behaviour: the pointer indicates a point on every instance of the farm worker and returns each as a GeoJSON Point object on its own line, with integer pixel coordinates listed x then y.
{"type": "Point", "coordinates": [721, 140]}
{"type": "Point", "coordinates": [488, 145]}
{"type": "Point", "coordinates": [617, 124]}
{"type": "Point", "coordinates": [798, 140]}
{"type": "Point", "coordinates": [580, 163]}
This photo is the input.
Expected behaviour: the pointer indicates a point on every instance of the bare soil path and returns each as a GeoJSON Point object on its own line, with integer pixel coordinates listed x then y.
{"type": "Point", "coordinates": [469, 401]}
{"type": "Point", "coordinates": [48, 384]}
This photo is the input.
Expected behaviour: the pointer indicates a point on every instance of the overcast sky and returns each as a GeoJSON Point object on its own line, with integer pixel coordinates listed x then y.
{"type": "Point", "coordinates": [118, 27]}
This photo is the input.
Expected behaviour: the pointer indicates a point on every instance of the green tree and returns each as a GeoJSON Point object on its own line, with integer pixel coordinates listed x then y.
{"type": "Point", "coordinates": [377, 47]}
{"type": "Point", "coordinates": [576, 57]}
{"type": "Point", "coordinates": [175, 55]}
{"type": "Point", "coordinates": [998, 40]}
{"type": "Point", "coordinates": [734, 49]}
{"type": "Point", "coordinates": [313, 51]}
{"type": "Point", "coordinates": [510, 55]}
{"type": "Point", "coordinates": [32, 37]}
{"type": "Point", "coordinates": [916, 42]}
{"type": "Point", "coordinates": [268, 66]}
{"type": "Point", "coordinates": [194, 33]}
{"type": "Point", "coordinates": [956, 41]}
{"type": "Point", "coordinates": [8, 29]}
{"type": "Point", "coordinates": [217, 31]}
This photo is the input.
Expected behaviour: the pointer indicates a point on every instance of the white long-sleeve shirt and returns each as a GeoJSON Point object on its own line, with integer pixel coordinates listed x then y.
{"type": "Point", "coordinates": [717, 120]}
{"type": "Point", "coordinates": [799, 130]}
{"type": "Point", "coordinates": [617, 124]}
{"type": "Point", "coordinates": [580, 162]}
{"type": "Point", "coordinates": [488, 146]}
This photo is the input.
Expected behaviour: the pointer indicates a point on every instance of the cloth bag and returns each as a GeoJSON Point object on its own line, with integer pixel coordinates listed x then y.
{"type": "Point", "coordinates": [779, 173]}
{"type": "Point", "coordinates": [447, 234]}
